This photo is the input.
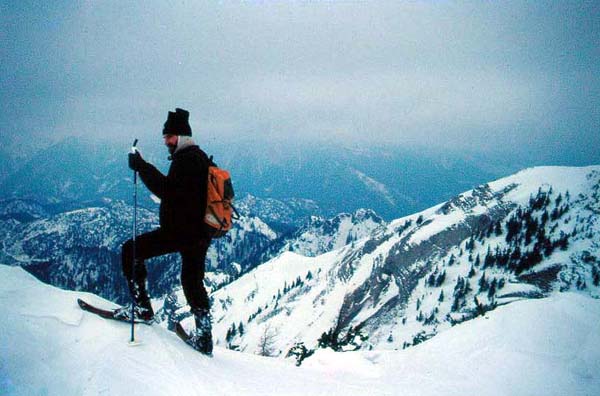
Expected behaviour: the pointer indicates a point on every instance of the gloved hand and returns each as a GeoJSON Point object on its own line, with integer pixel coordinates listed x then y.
{"type": "Point", "coordinates": [136, 161]}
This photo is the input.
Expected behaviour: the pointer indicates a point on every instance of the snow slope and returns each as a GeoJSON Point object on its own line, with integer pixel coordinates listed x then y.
{"type": "Point", "coordinates": [50, 347]}
{"type": "Point", "coordinates": [423, 273]}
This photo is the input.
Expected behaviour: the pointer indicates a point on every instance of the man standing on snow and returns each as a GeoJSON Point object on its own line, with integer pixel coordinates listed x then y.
{"type": "Point", "coordinates": [182, 229]}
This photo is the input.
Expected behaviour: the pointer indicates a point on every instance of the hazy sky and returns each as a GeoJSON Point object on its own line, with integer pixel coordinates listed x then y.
{"type": "Point", "coordinates": [481, 75]}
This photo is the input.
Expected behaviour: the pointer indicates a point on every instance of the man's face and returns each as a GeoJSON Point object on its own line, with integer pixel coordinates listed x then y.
{"type": "Point", "coordinates": [170, 142]}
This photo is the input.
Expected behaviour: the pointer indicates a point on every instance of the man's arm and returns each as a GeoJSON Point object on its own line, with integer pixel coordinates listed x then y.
{"type": "Point", "coordinates": [153, 179]}
{"type": "Point", "coordinates": [178, 184]}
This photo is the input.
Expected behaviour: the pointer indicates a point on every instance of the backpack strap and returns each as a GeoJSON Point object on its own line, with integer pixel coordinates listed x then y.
{"type": "Point", "coordinates": [211, 162]}
{"type": "Point", "coordinates": [223, 224]}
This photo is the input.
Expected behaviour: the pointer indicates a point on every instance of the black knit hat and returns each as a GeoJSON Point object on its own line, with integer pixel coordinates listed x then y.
{"type": "Point", "coordinates": [178, 123]}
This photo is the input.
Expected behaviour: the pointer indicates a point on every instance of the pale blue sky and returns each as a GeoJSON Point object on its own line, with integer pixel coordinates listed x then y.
{"type": "Point", "coordinates": [497, 76]}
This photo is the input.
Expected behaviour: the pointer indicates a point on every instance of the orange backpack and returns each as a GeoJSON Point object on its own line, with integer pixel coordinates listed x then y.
{"type": "Point", "coordinates": [219, 197]}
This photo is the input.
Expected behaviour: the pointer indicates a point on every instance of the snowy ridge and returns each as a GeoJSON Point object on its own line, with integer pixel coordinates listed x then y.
{"type": "Point", "coordinates": [49, 346]}
{"type": "Point", "coordinates": [525, 236]}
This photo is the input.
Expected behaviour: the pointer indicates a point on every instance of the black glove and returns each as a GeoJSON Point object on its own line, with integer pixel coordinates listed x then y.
{"type": "Point", "coordinates": [136, 161]}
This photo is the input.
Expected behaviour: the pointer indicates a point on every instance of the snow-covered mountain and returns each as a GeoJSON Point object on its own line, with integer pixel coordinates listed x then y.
{"type": "Point", "coordinates": [322, 235]}
{"type": "Point", "coordinates": [241, 249]}
{"type": "Point", "coordinates": [77, 250]}
{"type": "Point", "coordinates": [525, 236]}
{"type": "Point", "coordinates": [49, 346]}
{"type": "Point", "coordinates": [80, 249]}
{"type": "Point", "coordinates": [282, 214]}
{"type": "Point", "coordinates": [22, 210]}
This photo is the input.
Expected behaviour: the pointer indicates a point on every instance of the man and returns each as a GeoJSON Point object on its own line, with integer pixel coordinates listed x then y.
{"type": "Point", "coordinates": [182, 229]}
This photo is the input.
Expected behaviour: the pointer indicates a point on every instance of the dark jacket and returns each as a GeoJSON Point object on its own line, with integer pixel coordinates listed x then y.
{"type": "Point", "coordinates": [182, 192]}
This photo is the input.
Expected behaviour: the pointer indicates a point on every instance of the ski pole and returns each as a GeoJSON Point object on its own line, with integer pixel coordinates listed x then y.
{"type": "Point", "coordinates": [134, 150]}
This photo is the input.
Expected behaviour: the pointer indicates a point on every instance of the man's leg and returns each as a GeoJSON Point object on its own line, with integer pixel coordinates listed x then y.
{"type": "Point", "coordinates": [192, 274]}
{"type": "Point", "coordinates": [151, 244]}
{"type": "Point", "coordinates": [192, 280]}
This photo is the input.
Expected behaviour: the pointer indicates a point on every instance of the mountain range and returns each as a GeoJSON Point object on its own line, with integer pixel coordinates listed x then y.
{"type": "Point", "coordinates": [307, 178]}
{"type": "Point", "coordinates": [526, 236]}
{"type": "Point", "coordinates": [351, 281]}
{"type": "Point", "coordinates": [80, 249]}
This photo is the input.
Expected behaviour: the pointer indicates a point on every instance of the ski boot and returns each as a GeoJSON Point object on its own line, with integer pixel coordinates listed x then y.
{"type": "Point", "coordinates": [141, 313]}
{"type": "Point", "coordinates": [201, 337]}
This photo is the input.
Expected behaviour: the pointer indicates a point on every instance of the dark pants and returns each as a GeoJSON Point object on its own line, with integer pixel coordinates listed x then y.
{"type": "Point", "coordinates": [157, 243]}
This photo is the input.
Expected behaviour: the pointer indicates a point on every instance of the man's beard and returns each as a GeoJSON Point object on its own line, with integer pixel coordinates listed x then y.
{"type": "Point", "coordinates": [171, 148]}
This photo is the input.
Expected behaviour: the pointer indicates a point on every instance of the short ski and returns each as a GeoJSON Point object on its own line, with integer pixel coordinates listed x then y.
{"type": "Point", "coordinates": [181, 333]}
{"type": "Point", "coordinates": [107, 314]}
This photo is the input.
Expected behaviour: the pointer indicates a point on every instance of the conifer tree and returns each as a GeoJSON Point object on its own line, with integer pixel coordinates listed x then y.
{"type": "Point", "coordinates": [431, 280]}
{"type": "Point", "coordinates": [513, 228]}
{"type": "Point", "coordinates": [489, 259]}
{"type": "Point", "coordinates": [544, 218]}
{"type": "Point", "coordinates": [455, 304]}
{"type": "Point", "coordinates": [451, 260]}
{"type": "Point", "coordinates": [515, 256]}
{"type": "Point", "coordinates": [470, 244]}
{"type": "Point", "coordinates": [555, 214]}
{"type": "Point", "coordinates": [498, 228]}
{"type": "Point", "coordinates": [492, 289]}
{"type": "Point", "coordinates": [440, 279]}
{"type": "Point", "coordinates": [490, 230]}
{"type": "Point", "coordinates": [595, 277]}
{"type": "Point", "coordinates": [483, 284]}
{"type": "Point", "coordinates": [479, 307]}
{"type": "Point", "coordinates": [501, 283]}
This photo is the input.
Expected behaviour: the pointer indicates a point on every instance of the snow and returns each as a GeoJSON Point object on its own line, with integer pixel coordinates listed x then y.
{"type": "Point", "coordinates": [49, 346]}
{"type": "Point", "coordinates": [548, 346]}
{"type": "Point", "coordinates": [392, 291]}
{"type": "Point", "coordinates": [526, 182]}
{"type": "Point", "coordinates": [322, 235]}
{"type": "Point", "coordinates": [561, 178]}
{"type": "Point", "coordinates": [259, 288]}
{"type": "Point", "coordinates": [507, 192]}
{"type": "Point", "coordinates": [438, 224]}
{"type": "Point", "coordinates": [254, 224]}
